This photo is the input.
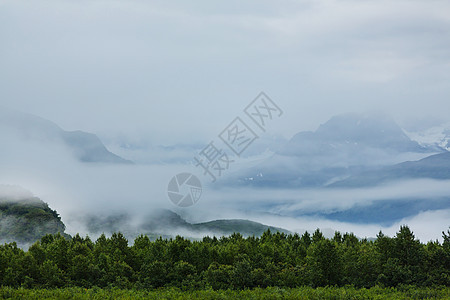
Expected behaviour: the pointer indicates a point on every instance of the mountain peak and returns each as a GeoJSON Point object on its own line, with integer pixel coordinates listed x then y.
{"type": "Point", "coordinates": [372, 130]}
{"type": "Point", "coordinates": [87, 147]}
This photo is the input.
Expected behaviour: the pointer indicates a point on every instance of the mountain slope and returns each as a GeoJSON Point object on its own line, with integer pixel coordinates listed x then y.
{"type": "Point", "coordinates": [435, 167]}
{"type": "Point", "coordinates": [86, 147]}
{"type": "Point", "coordinates": [244, 227]}
{"type": "Point", "coordinates": [344, 145]}
{"type": "Point", "coordinates": [437, 137]}
{"type": "Point", "coordinates": [27, 219]}
{"type": "Point", "coordinates": [352, 133]}
{"type": "Point", "coordinates": [168, 223]}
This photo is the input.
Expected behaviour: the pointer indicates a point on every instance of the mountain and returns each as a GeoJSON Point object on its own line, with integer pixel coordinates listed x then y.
{"type": "Point", "coordinates": [25, 219]}
{"type": "Point", "coordinates": [167, 221]}
{"type": "Point", "coordinates": [86, 147]}
{"type": "Point", "coordinates": [388, 211]}
{"type": "Point", "coordinates": [163, 222]}
{"type": "Point", "coordinates": [383, 212]}
{"type": "Point", "coordinates": [437, 137]}
{"type": "Point", "coordinates": [352, 133]}
{"type": "Point", "coordinates": [227, 227]}
{"type": "Point", "coordinates": [344, 145]}
{"type": "Point", "coordinates": [435, 167]}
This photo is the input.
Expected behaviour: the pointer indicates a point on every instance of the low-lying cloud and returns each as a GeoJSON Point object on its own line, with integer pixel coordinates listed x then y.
{"type": "Point", "coordinates": [77, 190]}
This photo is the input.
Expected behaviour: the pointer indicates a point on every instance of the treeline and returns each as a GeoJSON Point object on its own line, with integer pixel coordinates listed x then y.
{"type": "Point", "coordinates": [274, 259]}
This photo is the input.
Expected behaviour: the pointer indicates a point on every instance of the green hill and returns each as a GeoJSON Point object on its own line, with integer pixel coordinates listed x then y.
{"type": "Point", "coordinates": [244, 227]}
{"type": "Point", "coordinates": [27, 220]}
{"type": "Point", "coordinates": [166, 223]}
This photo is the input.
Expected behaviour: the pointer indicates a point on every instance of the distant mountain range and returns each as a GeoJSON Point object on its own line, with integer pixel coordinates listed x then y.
{"type": "Point", "coordinates": [350, 151]}
{"type": "Point", "coordinates": [86, 147]}
{"type": "Point", "coordinates": [435, 167]}
{"type": "Point", "coordinates": [345, 146]}
{"type": "Point", "coordinates": [356, 151]}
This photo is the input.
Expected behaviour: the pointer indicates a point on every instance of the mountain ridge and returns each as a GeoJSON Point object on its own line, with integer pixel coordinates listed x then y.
{"type": "Point", "coordinates": [344, 145]}
{"type": "Point", "coordinates": [164, 222]}
{"type": "Point", "coordinates": [434, 166]}
{"type": "Point", "coordinates": [25, 219]}
{"type": "Point", "coordinates": [86, 147]}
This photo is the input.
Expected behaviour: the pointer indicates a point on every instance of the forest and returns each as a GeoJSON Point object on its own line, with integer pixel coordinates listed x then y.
{"type": "Point", "coordinates": [228, 263]}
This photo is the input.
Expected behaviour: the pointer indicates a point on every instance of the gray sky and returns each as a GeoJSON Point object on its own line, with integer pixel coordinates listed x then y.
{"type": "Point", "coordinates": [180, 71]}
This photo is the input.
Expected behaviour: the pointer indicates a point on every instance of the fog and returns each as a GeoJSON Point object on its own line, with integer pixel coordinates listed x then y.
{"type": "Point", "coordinates": [77, 190]}
{"type": "Point", "coordinates": [157, 81]}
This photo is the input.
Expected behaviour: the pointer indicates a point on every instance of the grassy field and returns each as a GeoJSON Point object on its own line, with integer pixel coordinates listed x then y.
{"type": "Point", "coordinates": [268, 293]}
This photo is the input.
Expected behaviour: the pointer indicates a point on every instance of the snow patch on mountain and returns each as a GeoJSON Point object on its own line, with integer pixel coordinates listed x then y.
{"type": "Point", "coordinates": [437, 137]}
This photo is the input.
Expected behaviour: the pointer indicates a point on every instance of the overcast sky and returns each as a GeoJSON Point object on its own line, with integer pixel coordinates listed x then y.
{"type": "Point", "coordinates": [180, 71]}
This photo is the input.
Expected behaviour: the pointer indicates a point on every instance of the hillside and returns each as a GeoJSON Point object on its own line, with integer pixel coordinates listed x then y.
{"type": "Point", "coordinates": [244, 227]}
{"type": "Point", "coordinates": [163, 222]}
{"type": "Point", "coordinates": [22, 128]}
{"type": "Point", "coordinates": [435, 167]}
{"type": "Point", "coordinates": [344, 145]}
{"type": "Point", "coordinates": [27, 220]}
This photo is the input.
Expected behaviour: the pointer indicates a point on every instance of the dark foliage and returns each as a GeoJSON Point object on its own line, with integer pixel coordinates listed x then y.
{"type": "Point", "coordinates": [233, 262]}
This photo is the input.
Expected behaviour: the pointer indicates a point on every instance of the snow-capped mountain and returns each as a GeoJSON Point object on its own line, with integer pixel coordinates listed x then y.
{"type": "Point", "coordinates": [437, 137]}
{"type": "Point", "coordinates": [353, 139]}
{"type": "Point", "coordinates": [365, 163]}
{"type": "Point", "coordinates": [341, 147]}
